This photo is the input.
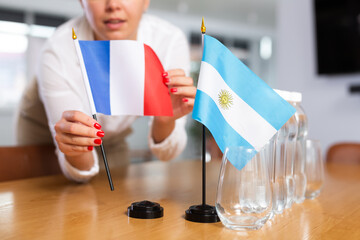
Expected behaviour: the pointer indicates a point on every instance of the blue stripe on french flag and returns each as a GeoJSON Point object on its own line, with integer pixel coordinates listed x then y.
{"type": "Point", "coordinates": [98, 72]}
{"type": "Point", "coordinates": [125, 78]}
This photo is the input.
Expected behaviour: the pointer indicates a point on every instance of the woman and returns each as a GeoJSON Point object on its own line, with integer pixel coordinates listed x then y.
{"type": "Point", "coordinates": [63, 94]}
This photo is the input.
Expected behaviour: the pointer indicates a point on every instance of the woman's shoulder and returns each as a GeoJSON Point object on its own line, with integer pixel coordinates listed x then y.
{"type": "Point", "coordinates": [152, 27]}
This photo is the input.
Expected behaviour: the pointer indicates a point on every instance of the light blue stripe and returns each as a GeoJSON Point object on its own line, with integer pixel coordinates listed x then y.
{"type": "Point", "coordinates": [206, 112]}
{"type": "Point", "coordinates": [249, 87]}
{"type": "Point", "coordinates": [96, 55]}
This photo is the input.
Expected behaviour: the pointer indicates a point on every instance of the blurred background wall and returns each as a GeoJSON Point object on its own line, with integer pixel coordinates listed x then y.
{"type": "Point", "coordinates": [333, 112]}
{"type": "Point", "coordinates": [275, 38]}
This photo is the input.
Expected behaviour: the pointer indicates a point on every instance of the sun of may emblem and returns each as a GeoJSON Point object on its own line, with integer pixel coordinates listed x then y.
{"type": "Point", "coordinates": [225, 99]}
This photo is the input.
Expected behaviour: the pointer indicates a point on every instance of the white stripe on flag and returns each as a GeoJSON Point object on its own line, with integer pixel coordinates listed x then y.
{"type": "Point", "coordinates": [244, 119]}
{"type": "Point", "coordinates": [127, 58]}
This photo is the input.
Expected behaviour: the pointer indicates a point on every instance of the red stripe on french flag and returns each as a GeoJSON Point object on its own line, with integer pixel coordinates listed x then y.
{"type": "Point", "coordinates": [156, 94]}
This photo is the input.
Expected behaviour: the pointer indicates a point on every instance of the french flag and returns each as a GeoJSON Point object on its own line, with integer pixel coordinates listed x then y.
{"type": "Point", "coordinates": [124, 78]}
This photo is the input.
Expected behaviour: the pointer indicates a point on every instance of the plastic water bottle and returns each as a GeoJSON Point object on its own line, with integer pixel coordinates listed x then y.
{"type": "Point", "coordinates": [290, 155]}
{"type": "Point", "coordinates": [278, 181]}
{"type": "Point", "coordinates": [284, 159]}
{"type": "Point", "coordinates": [299, 161]}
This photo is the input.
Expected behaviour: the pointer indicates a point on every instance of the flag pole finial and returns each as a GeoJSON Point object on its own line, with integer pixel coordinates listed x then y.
{"type": "Point", "coordinates": [73, 34]}
{"type": "Point", "coordinates": [203, 28]}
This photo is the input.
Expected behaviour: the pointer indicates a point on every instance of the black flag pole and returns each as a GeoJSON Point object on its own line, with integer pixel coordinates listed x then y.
{"type": "Point", "coordinates": [91, 102]}
{"type": "Point", "coordinates": [203, 159]}
{"type": "Point", "coordinates": [202, 213]}
{"type": "Point", "coordinates": [105, 162]}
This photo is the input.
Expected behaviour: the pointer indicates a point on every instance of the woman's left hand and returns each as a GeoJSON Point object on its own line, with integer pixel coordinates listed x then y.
{"type": "Point", "coordinates": [182, 92]}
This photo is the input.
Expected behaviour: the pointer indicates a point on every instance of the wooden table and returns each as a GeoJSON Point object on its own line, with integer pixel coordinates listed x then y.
{"type": "Point", "coordinates": [54, 208]}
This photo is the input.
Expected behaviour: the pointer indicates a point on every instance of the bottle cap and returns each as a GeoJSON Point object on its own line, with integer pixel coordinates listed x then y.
{"type": "Point", "coordinates": [296, 96]}
{"type": "Point", "coordinates": [284, 94]}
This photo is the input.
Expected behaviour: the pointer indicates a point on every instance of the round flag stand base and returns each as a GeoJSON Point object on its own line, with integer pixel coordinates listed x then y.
{"type": "Point", "coordinates": [202, 214]}
{"type": "Point", "coordinates": [145, 210]}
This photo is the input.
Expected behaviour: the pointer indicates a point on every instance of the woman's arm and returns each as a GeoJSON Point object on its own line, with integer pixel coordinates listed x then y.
{"type": "Point", "coordinates": [61, 89]}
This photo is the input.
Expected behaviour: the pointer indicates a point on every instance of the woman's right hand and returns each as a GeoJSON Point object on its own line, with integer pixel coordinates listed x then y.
{"type": "Point", "coordinates": [76, 136]}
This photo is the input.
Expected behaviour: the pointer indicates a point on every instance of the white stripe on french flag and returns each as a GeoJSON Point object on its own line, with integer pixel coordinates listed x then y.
{"type": "Point", "coordinates": [125, 78]}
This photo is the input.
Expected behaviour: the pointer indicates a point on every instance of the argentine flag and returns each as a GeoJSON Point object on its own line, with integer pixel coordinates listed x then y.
{"type": "Point", "coordinates": [123, 77]}
{"type": "Point", "coordinates": [237, 107]}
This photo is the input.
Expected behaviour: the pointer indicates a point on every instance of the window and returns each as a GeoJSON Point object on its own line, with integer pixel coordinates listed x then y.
{"type": "Point", "coordinates": [13, 46]}
{"type": "Point", "coordinates": [20, 45]}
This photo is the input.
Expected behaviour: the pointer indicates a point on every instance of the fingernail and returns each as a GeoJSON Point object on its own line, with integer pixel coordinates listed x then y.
{"type": "Point", "coordinates": [185, 100]}
{"type": "Point", "coordinates": [166, 80]}
{"type": "Point", "coordinates": [100, 133]}
{"type": "Point", "coordinates": [90, 148]}
{"type": "Point", "coordinates": [97, 126]}
{"type": "Point", "coordinates": [173, 90]}
{"type": "Point", "coordinates": [165, 74]}
{"type": "Point", "coordinates": [97, 141]}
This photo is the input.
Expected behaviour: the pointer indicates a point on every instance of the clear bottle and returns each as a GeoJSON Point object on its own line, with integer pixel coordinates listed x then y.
{"type": "Point", "coordinates": [278, 181]}
{"type": "Point", "coordinates": [269, 150]}
{"type": "Point", "coordinates": [283, 183]}
{"type": "Point", "coordinates": [314, 169]}
{"type": "Point", "coordinates": [290, 156]}
{"type": "Point", "coordinates": [299, 161]}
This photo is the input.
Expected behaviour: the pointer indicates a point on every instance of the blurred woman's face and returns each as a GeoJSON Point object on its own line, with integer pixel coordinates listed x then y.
{"type": "Point", "coordinates": [114, 19]}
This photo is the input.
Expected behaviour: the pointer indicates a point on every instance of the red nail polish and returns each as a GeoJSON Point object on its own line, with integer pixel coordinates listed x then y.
{"type": "Point", "coordinates": [165, 74]}
{"type": "Point", "coordinates": [97, 126]}
{"type": "Point", "coordinates": [97, 141]}
{"type": "Point", "coordinates": [100, 134]}
{"type": "Point", "coordinates": [166, 80]}
{"type": "Point", "coordinates": [185, 100]}
{"type": "Point", "coordinates": [90, 148]}
{"type": "Point", "coordinates": [173, 90]}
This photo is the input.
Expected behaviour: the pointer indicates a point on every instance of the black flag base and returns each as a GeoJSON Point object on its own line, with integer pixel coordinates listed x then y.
{"type": "Point", "coordinates": [202, 214]}
{"type": "Point", "coordinates": [145, 210]}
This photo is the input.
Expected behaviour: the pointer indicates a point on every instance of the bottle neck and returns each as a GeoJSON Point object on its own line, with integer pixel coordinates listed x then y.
{"type": "Point", "coordinates": [295, 104]}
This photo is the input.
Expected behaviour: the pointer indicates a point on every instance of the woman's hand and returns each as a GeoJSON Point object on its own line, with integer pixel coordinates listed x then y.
{"type": "Point", "coordinates": [182, 92]}
{"type": "Point", "coordinates": [76, 136]}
